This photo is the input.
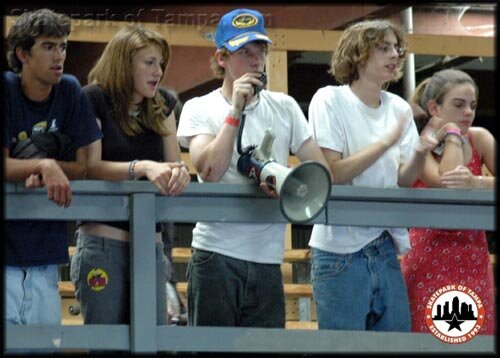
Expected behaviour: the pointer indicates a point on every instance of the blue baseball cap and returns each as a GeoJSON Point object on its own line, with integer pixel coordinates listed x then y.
{"type": "Point", "coordinates": [239, 27]}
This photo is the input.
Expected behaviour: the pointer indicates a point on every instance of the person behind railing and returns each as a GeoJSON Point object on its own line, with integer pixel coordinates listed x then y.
{"type": "Point", "coordinates": [48, 123]}
{"type": "Point", "coordinates": [137, 120]}
{"type": "Point", "coordinates": [369, 139]}
{"type": "Point", "coordinates": [234, 274]}
{"type": "Point", "coordinates": [447, 103]}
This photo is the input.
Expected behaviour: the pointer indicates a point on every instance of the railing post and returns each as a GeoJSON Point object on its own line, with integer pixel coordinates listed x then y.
{"type": "Point", "coordinates": [143, 274]}
{"type": "Point", "coordinates": [136, 201]}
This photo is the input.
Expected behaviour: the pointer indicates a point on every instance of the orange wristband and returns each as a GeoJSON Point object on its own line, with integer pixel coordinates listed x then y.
{"type": "Point", "coordinates": [235, 122]}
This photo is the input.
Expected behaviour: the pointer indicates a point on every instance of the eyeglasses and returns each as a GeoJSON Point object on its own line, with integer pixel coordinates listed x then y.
{"type": "Point", "coordinates": [386, 48]}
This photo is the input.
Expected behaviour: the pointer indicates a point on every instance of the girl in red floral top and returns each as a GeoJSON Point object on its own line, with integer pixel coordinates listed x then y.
{"type": "Point", "coordinates": [439, 257]}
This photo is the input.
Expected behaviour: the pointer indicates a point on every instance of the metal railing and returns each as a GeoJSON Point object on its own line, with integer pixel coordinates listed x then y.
{"type": "Point", "coordinates": [140, 203]}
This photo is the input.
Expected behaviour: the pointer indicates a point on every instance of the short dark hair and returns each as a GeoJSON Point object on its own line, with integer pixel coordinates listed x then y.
{"type": "Point", "coordinates": [29, 26]}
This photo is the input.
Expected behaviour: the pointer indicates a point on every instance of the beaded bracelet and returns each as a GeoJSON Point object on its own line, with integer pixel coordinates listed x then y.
{"type": "Point", "coordinates": [454, 131]}
{"type": "Point", "coordinates": [131, 169]}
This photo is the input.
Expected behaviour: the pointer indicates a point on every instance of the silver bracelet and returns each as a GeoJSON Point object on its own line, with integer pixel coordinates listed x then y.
{"type": "Point", "coordinates": [131, 169]}
{"type": "Point", "coordinates": [481, 183]}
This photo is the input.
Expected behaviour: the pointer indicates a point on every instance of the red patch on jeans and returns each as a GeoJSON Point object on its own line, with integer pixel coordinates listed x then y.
{"type": "Point", "coordinates": [97, 279]}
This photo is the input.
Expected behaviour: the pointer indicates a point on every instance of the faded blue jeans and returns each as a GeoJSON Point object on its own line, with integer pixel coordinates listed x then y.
{"type": "Point", "coordinates": [364, 290]}
{"type": "Point", "coordinates": [32, 295]}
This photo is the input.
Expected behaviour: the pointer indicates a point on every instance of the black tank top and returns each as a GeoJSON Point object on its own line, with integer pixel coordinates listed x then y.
{"type": "Point", "coordinates": [120, 147]}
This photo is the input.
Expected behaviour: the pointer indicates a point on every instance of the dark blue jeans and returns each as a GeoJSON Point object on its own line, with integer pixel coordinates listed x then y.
{"type": "Point", "coordinates": [223, 291]}
{"type": "Point", "coordinates": [364, 290]}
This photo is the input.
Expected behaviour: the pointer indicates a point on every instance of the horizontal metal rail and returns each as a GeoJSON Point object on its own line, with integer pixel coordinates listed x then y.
{"type": "Point", "coordinates": [141, 204]}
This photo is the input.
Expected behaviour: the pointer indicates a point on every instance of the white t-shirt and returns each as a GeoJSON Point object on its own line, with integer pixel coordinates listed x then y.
{"type": "Point", "coordinates": [262, 243]}
{"type": "Point", "coordinates": [340, 121]}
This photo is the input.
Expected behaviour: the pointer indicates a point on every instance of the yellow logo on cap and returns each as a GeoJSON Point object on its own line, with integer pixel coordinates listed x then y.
{"type": "Point", "coordinates": [243, 21]}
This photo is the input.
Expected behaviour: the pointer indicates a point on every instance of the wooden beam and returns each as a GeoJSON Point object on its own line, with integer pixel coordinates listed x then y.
{"type": "Point", "coordinates": [304, 40]}
{"type": "Point", "coordinates": [451, 45]}
{"type": "Point", "coordinates": [277, 71]}
{"type": "Point", "coordinates": [301, 325]}
{"type": "Point", "coordinates": [101, 31]}
{"type": "Point", "coordinates": [286, 267]}
{"type": "Point", "coordinates": [291, 289]}
{"type": "Point", "coordinates": [66, 289]}
{"type": "Point", "coordinates": [183, 254]}
{"type": "Point", "coordinates": [322, 40]}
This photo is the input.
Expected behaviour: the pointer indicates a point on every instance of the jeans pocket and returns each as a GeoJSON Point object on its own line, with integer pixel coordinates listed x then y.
{"type": "Point", "coordinates": [392, 261]}
{"type": "Point", "coordinates": [51, 275]}
{"type": "Point", "coordinates": [200, 257]}
{"type": "Point", "coordinates": [388, 253]}
{"type": "Point", "coordinates": [328, 266]}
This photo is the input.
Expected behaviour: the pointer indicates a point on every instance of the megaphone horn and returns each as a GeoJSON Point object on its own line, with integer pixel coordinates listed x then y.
{"type": "Point", "coordinates": [303, 191]}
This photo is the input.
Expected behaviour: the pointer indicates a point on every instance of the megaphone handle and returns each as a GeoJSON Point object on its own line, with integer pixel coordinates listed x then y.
{"type": "Point", "coordinates": [250, 148]}
{"type": "Point", "coordinates": [240, 134]}
{"type": "Point", "coordinates": [240, 129]}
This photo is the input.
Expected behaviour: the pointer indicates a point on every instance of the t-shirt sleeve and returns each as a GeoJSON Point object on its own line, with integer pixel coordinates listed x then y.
{"type": "Point", "coordinates": [325, 125]}
{"type": "Point", "coordinates": [80, 124]}
{"type": "Point", "coordinates": [300, 129]}
{"type": "Point", "coordinates": [194, 120]}
{"type": "Point", "coordinates": [7, 140]}
{"type": "Point", "coordinates": [409, 139]}
{"type": "Point", "coordinates": [97, 100]}
{"type": "Point", "coordinates": [170, 100]}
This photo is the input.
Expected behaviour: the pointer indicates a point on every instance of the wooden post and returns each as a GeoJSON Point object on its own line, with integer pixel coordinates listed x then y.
{"type": "Point", "coordinates": [277, 71]}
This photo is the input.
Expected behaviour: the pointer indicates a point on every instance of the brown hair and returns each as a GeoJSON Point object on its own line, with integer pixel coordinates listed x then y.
{"type": "Point", "coordinates": [114, 74]}
{"type": "Point", "coordinates": [217, 70]}
{"type": "Point", "coordinates": [31, 25]}
{"type": "Point", "coordinates": [435, 88]}
{"type": "Point", "coordinates": [355, 45]}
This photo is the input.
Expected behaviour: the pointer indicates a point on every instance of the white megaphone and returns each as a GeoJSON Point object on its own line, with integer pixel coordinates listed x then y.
{"type": "Point", "coordinates": [303, 191]}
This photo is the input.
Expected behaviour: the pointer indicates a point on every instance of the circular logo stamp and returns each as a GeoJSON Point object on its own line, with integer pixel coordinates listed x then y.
{"type": "Point", "coordinates": [454, 314]}
{"type": "Point", "coordinates": [22, 135]}
{"type": "Point", "coordinates": [245, 20]}
{"type": "Point", "coordinates": [97, 279]}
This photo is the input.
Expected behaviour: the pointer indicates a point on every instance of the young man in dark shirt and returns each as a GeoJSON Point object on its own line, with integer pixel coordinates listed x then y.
{"type": "Point", "coordinates": [39, 100]}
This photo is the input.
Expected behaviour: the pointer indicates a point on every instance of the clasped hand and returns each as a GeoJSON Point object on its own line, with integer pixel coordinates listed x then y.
{"type": "Point", "coordinates": [170, 178]}
{"type": "Point", "coordinates": [458, 178]}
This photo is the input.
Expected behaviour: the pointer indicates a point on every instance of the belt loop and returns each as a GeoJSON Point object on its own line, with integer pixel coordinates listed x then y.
{"type": "Point", "coordinates": [105, 244]}
{"type": "Point", "coordinates": [387, 235]}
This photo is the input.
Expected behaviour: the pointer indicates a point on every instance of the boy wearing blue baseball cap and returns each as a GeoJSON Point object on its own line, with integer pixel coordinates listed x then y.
{"type": "Point", "coordinates": [234, 275]}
